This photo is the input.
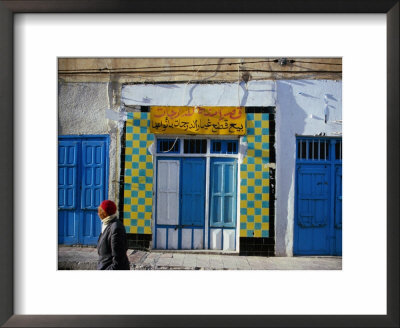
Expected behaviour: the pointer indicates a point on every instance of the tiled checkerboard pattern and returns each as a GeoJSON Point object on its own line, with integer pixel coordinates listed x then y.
{"type": "Point", "coordinates": [254, 178]}
{"type": "Point", "coordinates": [138, 180]}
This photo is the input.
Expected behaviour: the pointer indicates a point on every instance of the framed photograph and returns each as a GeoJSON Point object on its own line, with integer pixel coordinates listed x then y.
{"type": "Point", "coordinates": [35, 35]}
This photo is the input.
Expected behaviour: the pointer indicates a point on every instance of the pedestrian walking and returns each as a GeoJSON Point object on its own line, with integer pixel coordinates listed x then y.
{"type": "Point", "coordinates": [112, 244]}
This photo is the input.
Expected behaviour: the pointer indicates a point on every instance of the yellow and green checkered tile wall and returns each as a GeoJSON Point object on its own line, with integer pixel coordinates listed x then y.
{"type": "Point", "coordinates": [138, 180]}
{"type": "Point", "coordinates": [254, 178]}
{"type": "Point", "coordinates": [254, 182]}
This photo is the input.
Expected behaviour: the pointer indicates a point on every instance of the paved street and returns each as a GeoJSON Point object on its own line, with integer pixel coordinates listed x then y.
{"type": "Point", "coordinates": [85, 258]}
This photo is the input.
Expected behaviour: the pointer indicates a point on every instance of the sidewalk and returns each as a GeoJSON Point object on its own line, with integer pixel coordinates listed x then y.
{"type": "Point", "coordinates": [85, 258]}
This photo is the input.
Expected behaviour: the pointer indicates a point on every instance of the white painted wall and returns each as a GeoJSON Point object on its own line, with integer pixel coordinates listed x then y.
{"type": "Point", "coordinates": [255, 93]}
{"type": "Point", "coordinates": [82, 110]}
{"type": "Point", "coordinates": [300, 109]}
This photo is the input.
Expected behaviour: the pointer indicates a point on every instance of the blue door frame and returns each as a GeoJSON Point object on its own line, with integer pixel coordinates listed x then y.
{"type": "Point", "coordinates": [318, 199]}
{"type": "Point", "coordinates": [82, 185]}
{"type": "Point", "coordinates": [192, 175]}
{"type": "Point", "coordinates": [338, 209]}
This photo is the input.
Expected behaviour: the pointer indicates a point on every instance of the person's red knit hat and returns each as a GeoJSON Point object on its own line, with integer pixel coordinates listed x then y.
{"type": "Point", "coordinates": [108, 206]}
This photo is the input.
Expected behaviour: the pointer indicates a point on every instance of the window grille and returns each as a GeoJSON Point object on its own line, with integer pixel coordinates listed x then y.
{"type": "Point", "coordinates": [338, 150]}
{"type": "Point", "coordinates": [216, 146]}
{"type": "Point", "coordinates": [224, 147]}
{"type": "Point", "coordinates": [168, 146]}
{"type": "Point", "coordinates": [313, 149]}
{"type": "Point", "coordinates": [195, 146]}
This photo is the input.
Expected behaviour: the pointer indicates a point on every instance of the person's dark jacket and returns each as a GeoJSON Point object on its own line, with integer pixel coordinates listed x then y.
{"type": "Point", "coordinates": [112, 247]}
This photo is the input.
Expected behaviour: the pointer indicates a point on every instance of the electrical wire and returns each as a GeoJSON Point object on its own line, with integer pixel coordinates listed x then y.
{"type": "Point", "coordinates": [204, 71]}
{"type": "Point", "coordinates": [317, 63]}
{"type": "Point", "coordinates": [184, 91]}
{"type": "Point", "coordinates": [238, 85]}
{"type": "Point", "coordinates": [167, 151]}
{"type": "Point", "coordinates": [180, 66]}
{"type": "Point", "coordinates": [120, 69]}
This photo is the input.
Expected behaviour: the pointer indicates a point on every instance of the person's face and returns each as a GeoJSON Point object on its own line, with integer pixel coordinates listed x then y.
{"type": "Point", "coordinates": [102, 214]}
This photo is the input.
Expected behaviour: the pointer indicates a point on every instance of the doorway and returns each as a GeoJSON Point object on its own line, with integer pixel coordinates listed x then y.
{"type": "Point", "coordinates": [196, 194]}
{"type": "Point", "coordinates": [82, 186]}
{"type": "Point", "coordinates": [318, 202]}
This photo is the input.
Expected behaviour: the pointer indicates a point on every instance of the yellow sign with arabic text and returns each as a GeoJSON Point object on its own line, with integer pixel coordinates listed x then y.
{"type": "Point", "coordinates": [198, 120]}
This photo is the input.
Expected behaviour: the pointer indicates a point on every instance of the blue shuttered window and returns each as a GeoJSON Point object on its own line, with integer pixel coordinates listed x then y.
{"type": "Point", "coordinates": [318, 203]}
{"type": "Point", "coordinates": [223, 192]}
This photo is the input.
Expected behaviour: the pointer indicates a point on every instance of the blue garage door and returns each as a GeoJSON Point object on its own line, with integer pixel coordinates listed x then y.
{"type": "Point", "coordinates": [82, 186]}
{"type": "Point", "coordinates": [318, 204]}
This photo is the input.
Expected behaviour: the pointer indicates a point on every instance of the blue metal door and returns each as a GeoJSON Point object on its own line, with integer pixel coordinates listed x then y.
{"type": "Point", "coordinates": [318, 197]}
{"type": "Point", "coordinates": [82, 187]}
{"type": "Point", "coordinates": [313, 210]}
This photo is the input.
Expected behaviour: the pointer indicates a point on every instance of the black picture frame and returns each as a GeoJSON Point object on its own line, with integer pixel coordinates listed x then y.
{"type": "Point", "coordinates": [7, 10]}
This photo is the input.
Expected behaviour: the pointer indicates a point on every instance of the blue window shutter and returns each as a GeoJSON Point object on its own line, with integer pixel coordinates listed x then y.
{"type": "Point", "coordinates": [223, 192]}
{"type": "Point", "coordinates": [93, 159]}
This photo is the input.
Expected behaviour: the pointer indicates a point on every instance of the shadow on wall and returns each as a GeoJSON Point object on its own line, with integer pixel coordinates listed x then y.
{"type": "Point", "coordinates": [245, 93]}
{"type": "Point", "coordinates": [190, 94]}
{"type": "Point", "coordinates": [203, 79]}
{"type": "Point", "coordinates": [291, 120]}
{"type": "Point", "coordinates": [302, 82]}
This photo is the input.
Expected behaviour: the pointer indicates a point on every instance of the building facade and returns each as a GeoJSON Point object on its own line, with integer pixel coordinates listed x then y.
{"type": "Point", "coordinates": [203, 163]}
